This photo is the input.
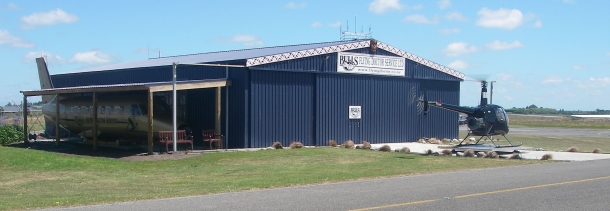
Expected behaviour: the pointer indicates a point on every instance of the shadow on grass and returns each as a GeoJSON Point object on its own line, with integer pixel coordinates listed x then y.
{"type": "Point", "coordinates": [405, 157]}
{"type": "Point", "coordinates": [80, 149]}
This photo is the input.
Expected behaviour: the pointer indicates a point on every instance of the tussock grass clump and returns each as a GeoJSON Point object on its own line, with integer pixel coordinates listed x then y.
{"type": "Point", "coordinates": [547, 157]}
{"type": "Point", "coordinates": [596, 151]}
{"type": "Point", "coordinates": [349, 144]}
{"type": "Point", "coordinates": [296, 145]}
{"type": "Point", "coordinates": [491, 154]}
{"type": "Point", "coordinates": [405, 150]}
{"type": "Point", "coordinates": [277, 145]}
{"type": "Point", "coordinates": [332, 143]}
{"type": "Point", "coordinates": [427, 152]}
{"type": "Point", "coordinates": [385, 148]}
{"type": "Point", "coordinates": [447, 152]}
{"type": "Point", "coordinates": [421, 141]}
{"type": "Point", "coordinates": [468, 153]}
{"type": "Point", "coordinates": [573, 149]}
{"type": "Point", "coordinates": [515, 156]}
{"type": "Point", "coordinates": [435, 141]}
{"type": "Point", "coordinates": [480, 154]}
{"type": "Point", "coordinates": [366, 145]}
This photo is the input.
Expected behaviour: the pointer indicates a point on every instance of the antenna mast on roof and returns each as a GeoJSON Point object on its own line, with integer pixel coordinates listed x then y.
{"type": "Point", "coordinates": [347, 35]}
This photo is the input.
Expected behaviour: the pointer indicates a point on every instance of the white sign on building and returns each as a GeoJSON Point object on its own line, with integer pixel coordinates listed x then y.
{"type": "Point", "coordinates": [370, 64]}
{"type": "Point", "coordinates": [355, 112]}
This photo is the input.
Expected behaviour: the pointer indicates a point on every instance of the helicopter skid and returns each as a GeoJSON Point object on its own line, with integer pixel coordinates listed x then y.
{"type": "Point", "coordinates": [487, 148]}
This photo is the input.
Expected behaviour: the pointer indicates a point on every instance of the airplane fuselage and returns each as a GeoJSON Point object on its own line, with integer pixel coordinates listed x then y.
{"type": "Point", "coordinates": [118, 117]}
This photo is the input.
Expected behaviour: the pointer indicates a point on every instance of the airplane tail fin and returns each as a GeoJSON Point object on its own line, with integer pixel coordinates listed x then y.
{"type": "Point", "coordinates": [45, 78]}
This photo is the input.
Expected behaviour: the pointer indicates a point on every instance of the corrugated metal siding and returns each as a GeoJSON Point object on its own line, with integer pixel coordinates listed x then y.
{"type": "Point", "coordinates": [281, 108]}
{"type": "Point", "coordinates": [419, 71]}
{"type": "Point", "coordinates": [152, 74]}
{"type": "Point", "coordinates": [387, 111]}
{"type": "Point", "coordinates": [238, 136]}
{"type": "Point", "coordinates": [441, 123]}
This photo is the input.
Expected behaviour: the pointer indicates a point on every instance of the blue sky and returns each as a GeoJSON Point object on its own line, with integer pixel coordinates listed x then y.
{"type": "Point", "coordinates": [553, 53]}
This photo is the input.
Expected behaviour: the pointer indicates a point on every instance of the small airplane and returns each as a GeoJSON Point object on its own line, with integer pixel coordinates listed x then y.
{"type": "Point", "coordinates": [121, 116]}
{"type": "Point", "coordinates": [485, 120]}
{"type": "Point", "coordinates": [592, 116]}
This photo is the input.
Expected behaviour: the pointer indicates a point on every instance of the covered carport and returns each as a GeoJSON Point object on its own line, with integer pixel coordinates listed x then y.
{"type": "Point", "coordinates": [150, 88]}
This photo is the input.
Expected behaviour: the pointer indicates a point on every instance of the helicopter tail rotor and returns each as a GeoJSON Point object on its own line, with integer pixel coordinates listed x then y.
{"type": "Point", "coordinates": [421, 101]}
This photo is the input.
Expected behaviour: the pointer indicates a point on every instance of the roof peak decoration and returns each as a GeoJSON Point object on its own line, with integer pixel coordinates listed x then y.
{"type": "Point", "coordinates": [351, 46]}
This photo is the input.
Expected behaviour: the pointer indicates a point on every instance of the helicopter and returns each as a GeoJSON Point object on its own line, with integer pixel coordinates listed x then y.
{"type": "Point", "coordinates": [484, 120]}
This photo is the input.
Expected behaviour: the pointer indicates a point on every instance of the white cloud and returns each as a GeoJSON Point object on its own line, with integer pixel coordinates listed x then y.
{"type": "Point", "coordinates": [455, 16]}
{"type": "Point", "coordinates": [502, 18]}
{"type": "Point", "coordinates": [14, 41]}
{"type": "Point", "coordinates": [450, 31]}
{"type": "Point", "coordinates": [335, 24]}
{"type": "Point", "coordinates": [459, 48]}
{"type": "Point", "coordinates": [30, 57]}
{"type": "Point", "coordinates": [497, 45]}
{"type": "Point", "coordinates": [12, 6]}
{"type": "Point", "coordinates": [381, 6]}
{"type": "Point", "coordinates": [47, 18]}
{"type": "Point", "coordinates": [444, 4]}
{"type": "Point", "coordinates": [538, 24]}
{"type": "Point", "coordinates": [246, 40]}
{"type": "Point", "coordinates": [292, 5]}
{"type": "Point", "coordinates": [594, 83]}
{"type": "Point", "coordinates": [92, 57]}
{"type": "Point", "coordinates": [459, 65]}
{"type": "Point", "coordinates": [552, 80]}
{"type": "Point", "coordinates": [579, 67]}
{"type": "Point", "coordinates": [417, 18]}
{"type": "Point", "coordinates": [316, 24]}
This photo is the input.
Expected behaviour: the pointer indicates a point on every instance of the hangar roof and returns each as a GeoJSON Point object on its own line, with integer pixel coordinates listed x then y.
{"type": "Point", "coordinates": [259, 56]}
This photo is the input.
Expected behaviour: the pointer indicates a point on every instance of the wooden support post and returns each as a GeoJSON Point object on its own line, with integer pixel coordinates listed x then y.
{"type": "Point", "coordinates": [57, 139]}
{"type": "Point", "coordinates": [217, 124]}
{"type": "Point", "coordinates": [150, 122]}
{"type": "Point", "coordinates": [94, 121]}
{"type": "Point", "coordinates": [26, 137]}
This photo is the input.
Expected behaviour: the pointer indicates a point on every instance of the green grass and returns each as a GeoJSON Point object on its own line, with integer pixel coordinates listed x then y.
{"type": "Point", "coordinates": [37, 179]}
{"type": "Point", "coordinates": [561, 121]}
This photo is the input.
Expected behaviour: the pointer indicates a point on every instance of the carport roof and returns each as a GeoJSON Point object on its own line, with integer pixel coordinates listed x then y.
{"type": "Point", "coordinates": [153, 87]}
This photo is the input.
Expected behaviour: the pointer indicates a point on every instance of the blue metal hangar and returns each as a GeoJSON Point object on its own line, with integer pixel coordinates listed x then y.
{"type": "Point", "coordinates": [346, 90]}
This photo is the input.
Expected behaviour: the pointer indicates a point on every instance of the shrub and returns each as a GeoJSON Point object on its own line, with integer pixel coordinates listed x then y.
{"type": "Point", "coordinates": [481, 154]}
{"type": "Point", "coordinates": [332, 143]}
{"type": "Point", "coordinates": [405, 150]}
{"type": "Point", "coordinates": [573, 149]}
{"type": "Point", "coordinates": [447, 152]}
{"type": "Point", "coordinates": [596, 151]}
{"type": "Point", "coordinates": [349, 144]}
{"type": "Point", "coordinates": [547, 157]}
{"type": "Point", "coordinates": [385, 148]}
{"type": "Point", "coordinates": [468, 153]}
{"type": "Point", "coordinates": [421, 141]}
{"type": "Point", "coordinates": [277, 145]}
{"type": "Point", "coordinates": [492, 154]}
{"type": "Point", "coordinates": [366, 145]}
{"type": "Point", "coordinates": [10, 134]}
{"type": "Point", "coordinates": [296, 145]}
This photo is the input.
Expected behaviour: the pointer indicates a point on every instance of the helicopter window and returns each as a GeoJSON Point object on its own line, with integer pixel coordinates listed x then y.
{"type": "Point", "coordinates": [110, 110]}
{"type": "Point", "coordinates": [102, 109]}
{"type": "Point", "coordinates": [500, 114]}
{"type": "Point", "coordinates": [143, 109]}
{"type": "Point", "coordinates": [121, 110]}
{"type": "Point", "coordinates": [135, 111]}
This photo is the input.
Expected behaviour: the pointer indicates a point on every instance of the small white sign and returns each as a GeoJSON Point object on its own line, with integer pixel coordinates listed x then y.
{"type": "Point", "coordinates": [355, 112]}
{"type": "Point", "coordinates": [370, 64]}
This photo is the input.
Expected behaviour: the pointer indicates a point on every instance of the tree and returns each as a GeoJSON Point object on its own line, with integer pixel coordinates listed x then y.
{"type": "Point", "coordinates": [9, 104]}
{"type": "Point", "coordinates": [531, 106]}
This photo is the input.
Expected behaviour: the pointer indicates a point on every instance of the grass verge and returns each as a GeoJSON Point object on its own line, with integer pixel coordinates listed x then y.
{"type": "Point", "coordinates": [557, 143]}
{"type": "Point", "coordinates": [36, 179]}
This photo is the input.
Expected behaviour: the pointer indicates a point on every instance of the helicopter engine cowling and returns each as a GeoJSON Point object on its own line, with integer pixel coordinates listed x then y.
{"type": "Point", "coordinates": [475, 123]}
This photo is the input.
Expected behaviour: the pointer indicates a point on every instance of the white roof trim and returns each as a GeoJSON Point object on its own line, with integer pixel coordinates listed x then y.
{"type": "Point", "coordinates": [346, 47]}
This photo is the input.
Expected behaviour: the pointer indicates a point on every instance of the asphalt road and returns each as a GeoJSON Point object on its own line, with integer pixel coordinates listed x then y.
{"type": "Point", "coordinates": [581, 185]}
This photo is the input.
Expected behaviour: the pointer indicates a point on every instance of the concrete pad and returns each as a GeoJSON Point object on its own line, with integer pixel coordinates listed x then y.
{"type": "Point", "coordinates": [418, 148]}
